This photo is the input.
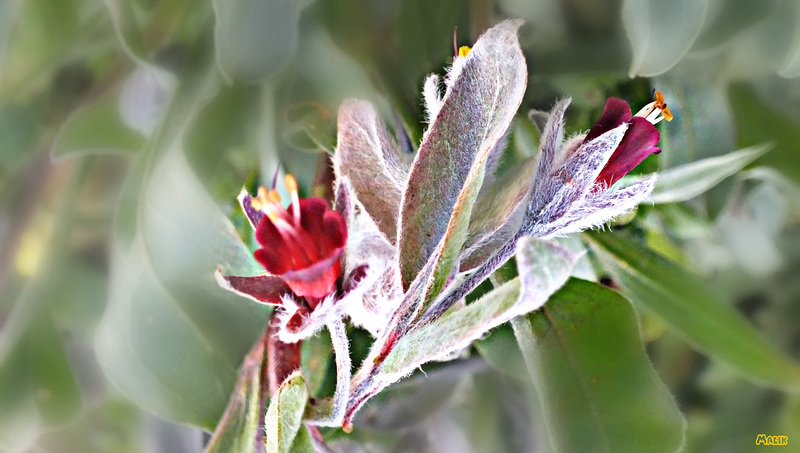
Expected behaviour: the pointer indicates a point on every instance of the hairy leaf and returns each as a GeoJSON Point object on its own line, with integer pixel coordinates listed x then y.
{"type": "Point", "coordinates": [370, 159]}
{"type": "Point", "coordinates": [237, 429]}
{"type": "Point", "coordinates": [285, 413]}
{"type": "Point", "coordinates": [480, 102]}
{"type": "Point", "coordinates": [543, 268]}
{"type": "Point", "coordinates": [498, 215]}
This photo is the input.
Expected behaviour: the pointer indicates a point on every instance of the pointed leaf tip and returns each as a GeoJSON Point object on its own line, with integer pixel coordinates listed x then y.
{"type": "Point", "coordinates": [482, 97]}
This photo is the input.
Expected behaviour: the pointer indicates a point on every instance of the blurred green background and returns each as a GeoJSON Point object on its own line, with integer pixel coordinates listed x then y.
{"type": "Point", "coordinates": [127, 127]}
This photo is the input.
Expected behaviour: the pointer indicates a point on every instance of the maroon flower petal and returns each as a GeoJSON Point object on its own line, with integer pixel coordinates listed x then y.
{"type": "Point", "coordinates": [268, 235]}
{"type": "Point", "coordinates": [615, 112]}
{"type": "Point", "coordinates": [273, 261]}
{"type": "Point", "coordinates": [335, 230]}
{"type": "Point", "coordinates": [265, 289]}
{"type": "Point", "coordinates": [317, 280]}
{"type": "Point", "coordinates": [305, 256]}
{"type": "Point", "coordinates": [640, 141]}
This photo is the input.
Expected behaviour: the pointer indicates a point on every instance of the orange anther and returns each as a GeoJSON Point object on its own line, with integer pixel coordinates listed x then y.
{"type": "Point", "coordinates": [274, 197]}
{"type": "Point", "coordinates": [273, 215]}
{"type": "Point", "coordinates": [463, 51]}
{"type": "Point", "coordinates": [661, 105]}
{"type": "Point", "coordinates": [290, 183]}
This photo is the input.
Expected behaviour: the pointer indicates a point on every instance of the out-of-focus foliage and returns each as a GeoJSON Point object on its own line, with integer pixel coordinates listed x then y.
{"type": "Point", "coordinates": [127, 127]}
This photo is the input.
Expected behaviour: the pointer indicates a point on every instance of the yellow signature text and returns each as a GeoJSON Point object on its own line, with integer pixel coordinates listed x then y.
{"type": "Point", "coordinates": [763, 439]}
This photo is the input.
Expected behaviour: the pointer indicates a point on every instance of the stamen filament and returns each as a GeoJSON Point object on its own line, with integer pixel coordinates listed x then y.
{"type": "Point", "coordinates": [646, 110]}
{"type": "Point", "coordinates": [291, 187]}
{"type": "Point", "coordinates": [656, 111]}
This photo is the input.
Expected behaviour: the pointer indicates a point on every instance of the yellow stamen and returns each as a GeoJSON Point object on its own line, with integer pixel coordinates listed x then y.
{"type": "Point", "coordinates": [463, 51]}
{"type": "Point", "coordinates": [274, 196]}
{"type": "Point", "coordinates": [291, 183]}
{"type": "Point", "coordinates": [661, 105]}
{"type": "Point", "coordinates": [255, 203]}
{"type": "Point", "coordinates": [656, 111]}
{"type": "Point", "coordinates": [291, 187]}
{"type": "Point", "coordinates": [273, 215]}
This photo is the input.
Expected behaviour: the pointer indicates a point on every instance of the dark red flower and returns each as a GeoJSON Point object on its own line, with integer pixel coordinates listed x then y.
{"type": "Point", "coordinates": [640, 139]}
{"type": "Point", "coordinates": [300, 246]}
{"type": "Point", "coordinates": [301, 251]}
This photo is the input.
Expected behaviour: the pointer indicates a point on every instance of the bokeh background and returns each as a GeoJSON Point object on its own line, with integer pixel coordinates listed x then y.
{"type": "Point", "coordinates": [127, 128]}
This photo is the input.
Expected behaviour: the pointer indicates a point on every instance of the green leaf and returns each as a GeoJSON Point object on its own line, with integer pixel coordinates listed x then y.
{"type": "Point", "coordinates": [19, 419]}
{"type": "Point", "coordinates": [56, 391]}
{"type": "Point", "coordinates": [690, 180]}
{"type": "Point", "coordinates": [448, 171]}
{"type": "Point", "coordinates": [37, 385]}
{"type": "Point", "coordinates": [8, 15]}
{"type": "Point", "coordinates": [791, 64]}
{"type": "Point", "coordinates": [18, 134]}
{"type": "Point", "coordinates": [303, 443]}
{"type": "Point", "coordinates": [217, 128]}
{"type": "Point", "coordinates": [544, 17]}
{"type": "Point", "coordinates": [171, 339]}
{"type": "Point", "coordinates": [499, 349]}
{"type": "Point", "coordinates": [95, 129]}
{"type": "Point", "coordinates": [694, 310]}
{"type": "Point", "coordinates": [128, 30]}
{"type": "Point", "coordinates": [317, 360]}
{"type": "Point", "coordinates": [285, 414]}
{"type": "Point", "coordinates": [239, 425]}
{"type": "Point", "coordinates": [596, 387]}
{"type": "Point", "coordinates": [41, 35]}
{"type": "Point", "coordinates": [255, 38]}
{"type": "Point", "coordinates": [661, 32]}
{"type": "Point", "coordinates": [758, 120]}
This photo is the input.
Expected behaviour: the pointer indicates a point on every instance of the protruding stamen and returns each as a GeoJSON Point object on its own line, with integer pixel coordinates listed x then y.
{"type": "Point", "coordinates": [291, 187]}
{"type": "Point", "coordinates": [463, 51]}
{"type": "Point", "coordinates": [260, 202]}
{"type": "Point", "coordinates": [661, 105]}
{"type": "Point", "coordinates": [656, 111]}
{"type": "Point", "coordinates": [274, 196]}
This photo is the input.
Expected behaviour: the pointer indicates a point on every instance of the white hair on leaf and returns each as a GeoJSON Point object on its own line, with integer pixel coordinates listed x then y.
{"type": "Point", "coordinates": [328, 310]}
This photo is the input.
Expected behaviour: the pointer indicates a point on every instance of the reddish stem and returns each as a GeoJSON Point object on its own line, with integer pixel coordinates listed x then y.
{"type": "Point", "coordinates": [282, 358]}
